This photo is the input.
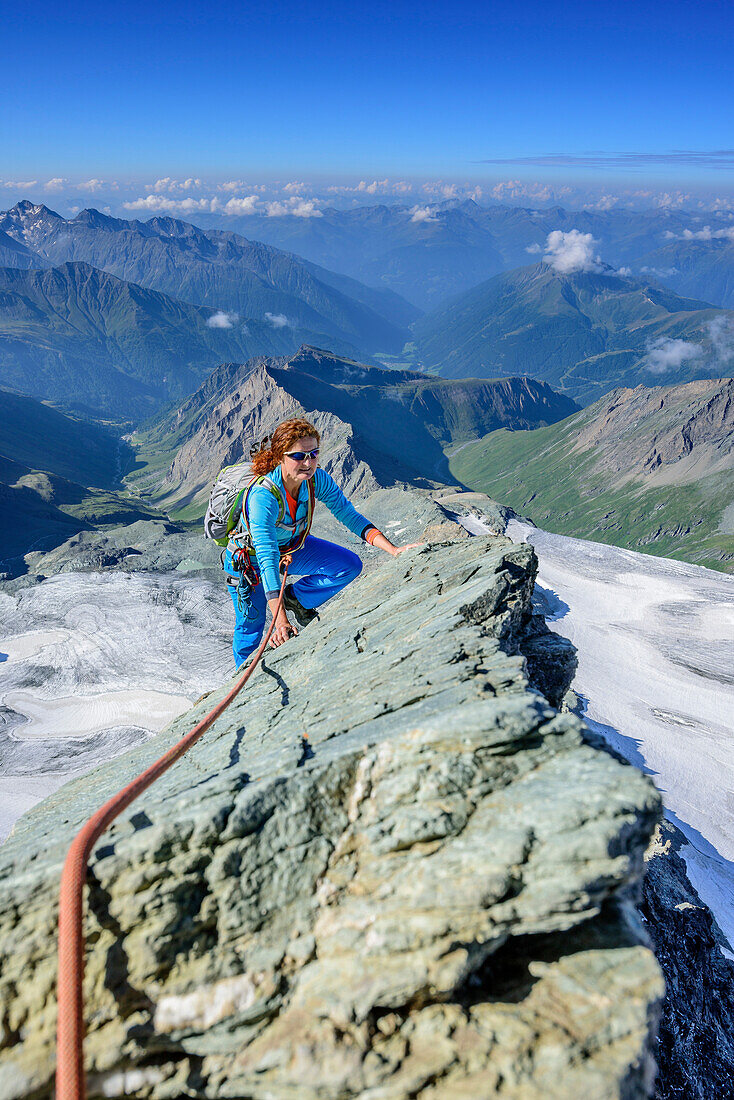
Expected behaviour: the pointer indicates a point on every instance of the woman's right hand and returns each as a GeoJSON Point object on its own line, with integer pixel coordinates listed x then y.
{"type": "Point", "coordinates": [396, 550]}
{"type": "Point", "coordinates": [283, 631]}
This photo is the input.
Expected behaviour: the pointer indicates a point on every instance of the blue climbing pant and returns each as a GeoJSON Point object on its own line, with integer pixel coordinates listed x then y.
{"type": "Point", "coordinates": [323, 568]}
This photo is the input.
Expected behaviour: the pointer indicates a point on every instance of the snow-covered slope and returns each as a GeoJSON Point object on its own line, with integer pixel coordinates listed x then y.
{"type": "Point", "coordinates": [92, 663]}
{"type": "Point", "coordinates": [655, 641]}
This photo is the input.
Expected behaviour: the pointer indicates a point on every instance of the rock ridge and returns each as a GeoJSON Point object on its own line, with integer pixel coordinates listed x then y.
{"type": "Point", "coordinates": [425, 893]}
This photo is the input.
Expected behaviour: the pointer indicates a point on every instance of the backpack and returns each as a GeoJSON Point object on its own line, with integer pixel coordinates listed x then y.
{"type": "Point", "coordinates": [225, 504]}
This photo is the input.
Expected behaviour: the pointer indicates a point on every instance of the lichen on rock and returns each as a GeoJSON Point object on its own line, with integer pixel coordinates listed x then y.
{"type": "Point", "coordinates": [390, 870]}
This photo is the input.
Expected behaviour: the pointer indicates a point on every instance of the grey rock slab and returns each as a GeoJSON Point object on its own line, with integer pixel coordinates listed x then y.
{"type": "Point", "coordinates": [389, 870]}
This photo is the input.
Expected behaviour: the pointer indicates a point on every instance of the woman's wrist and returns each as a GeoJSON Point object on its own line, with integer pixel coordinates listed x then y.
{"type": "Point", "coordinates": [382, 542]}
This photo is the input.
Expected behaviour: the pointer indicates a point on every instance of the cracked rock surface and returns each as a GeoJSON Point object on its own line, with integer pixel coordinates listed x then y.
{"type": "Point", "coordinates": [390, 870]}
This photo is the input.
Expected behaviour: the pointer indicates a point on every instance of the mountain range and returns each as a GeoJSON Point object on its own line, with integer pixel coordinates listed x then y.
{"type": "Point", "coordinates": [649, 469]}
{"type": "Point", "coordinates": [584, 332]}
{"type": "Point", "coordinates": [380, 427]}
{"type": "Point", "coordinates": [700, 266]}
{"type": "Point", "coordinates": [430, 252]}
{"type": "Point", "coordinates": [217, 269]}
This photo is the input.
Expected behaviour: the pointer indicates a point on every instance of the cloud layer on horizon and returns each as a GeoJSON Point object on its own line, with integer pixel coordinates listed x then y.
{"type": "Point", "coordinates": [301, 198]}
{"type": "Point", "coordinates": [713, 158]}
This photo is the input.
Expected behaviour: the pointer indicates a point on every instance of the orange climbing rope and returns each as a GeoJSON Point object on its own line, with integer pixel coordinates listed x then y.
{"type": "Point", "coordinates": [70, 1082]}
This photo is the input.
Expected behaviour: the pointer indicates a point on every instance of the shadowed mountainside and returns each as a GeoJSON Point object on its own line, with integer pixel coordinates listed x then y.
{"type": "Point", "coordinates": [380, 427]}
{"type": "Point", "coordinates": [58, 475]}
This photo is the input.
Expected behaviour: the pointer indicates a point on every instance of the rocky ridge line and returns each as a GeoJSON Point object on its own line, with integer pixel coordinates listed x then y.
{"type": "Point", "coordinates": [427, 893]}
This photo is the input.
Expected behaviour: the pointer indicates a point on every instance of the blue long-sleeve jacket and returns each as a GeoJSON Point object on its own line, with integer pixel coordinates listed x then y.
{"type": "Point", "coordinates": [262, 514]}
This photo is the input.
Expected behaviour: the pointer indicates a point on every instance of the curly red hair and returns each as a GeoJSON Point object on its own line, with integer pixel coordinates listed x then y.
{"type": "Point", "coordinates": [270, 452]}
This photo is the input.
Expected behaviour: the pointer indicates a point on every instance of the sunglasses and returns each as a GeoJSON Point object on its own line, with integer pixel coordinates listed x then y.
{"type": "Point", "coordinates": [298, 456]}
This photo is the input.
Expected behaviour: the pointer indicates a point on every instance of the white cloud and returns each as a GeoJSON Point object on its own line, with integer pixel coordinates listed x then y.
{"type": "Point", "coordinates": [533, 249]}
{"type": "Point", "coordinates": [372, 188]}
{"type": "Point", "coordinates": [156, 204]}
{"type": "Point", "coordinates": [278, 320]}
{"type": "Point", "coordinates": [571, 251]}
{"type": "Point", "coordinates": [705, 234]}
{"type": "Point", "coordinates": [56, 184]}
{"type": "Point", "coordinates": [383, 187]}
{"type": "Point", "coordinates": [294, 187]}
{"type": "Point", "coordinates": [423, 214]}
{"type": "Point", "coordinates": [668, 201]}
{"type": "Point", "coordinates": [721, 331]}
{"type": "Point", "coordinates": [532, 192]}
{"type": "Point", "coordinates": [223, 320]}
{"type": "Point", "coordinates": [626, 271]}
{"type": "Point", "coordinates": [20, 185]}
{"type": "Point", "coordinates": [661, 272]}
{"type": "Point", "coordinates": [604, 202]}
{"type": "Point", "coordinates": [296, 206]}
{"type": "Point", "coordinates": [665, 354]}
{"type": "Point", "coordinates": [725, 205]}
{"type": "Point", "coordinates": [442, 190]}
{"type": "Point", "coordinates": [92, 185]}
{"type": "Point", "coordinates": [167, 184]}
{"type": "Point", "coordinates": [244, 205]}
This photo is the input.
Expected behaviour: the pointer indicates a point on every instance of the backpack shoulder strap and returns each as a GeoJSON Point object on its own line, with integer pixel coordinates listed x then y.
{"type": "Point", "coordinates": [270, 485]}
{"type": "Point", "coordinates": [273, 488]}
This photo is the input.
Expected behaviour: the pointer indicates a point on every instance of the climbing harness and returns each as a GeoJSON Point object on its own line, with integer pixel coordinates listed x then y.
{"type": "Point", "coordinates": [70, 1079]}
{"type": "Point", "coordinates": [242, 550]}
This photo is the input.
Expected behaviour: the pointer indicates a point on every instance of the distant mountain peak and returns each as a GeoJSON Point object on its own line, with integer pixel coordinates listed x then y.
{"type": "Point", "coordinates": [174, 227]}
{"type": "Point", "coordinates": [28, 222]}
{"type": "Point", "coordinates": [95, 218]}
{"type": "Point", "coordinates": [25, 207]}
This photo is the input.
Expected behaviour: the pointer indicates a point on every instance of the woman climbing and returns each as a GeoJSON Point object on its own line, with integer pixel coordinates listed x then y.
{"type": "Point", "coordinates": [276, 518]}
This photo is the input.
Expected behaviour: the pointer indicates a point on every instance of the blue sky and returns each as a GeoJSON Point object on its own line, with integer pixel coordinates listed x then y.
{"type": "Point", "coordinates": [330, 91]}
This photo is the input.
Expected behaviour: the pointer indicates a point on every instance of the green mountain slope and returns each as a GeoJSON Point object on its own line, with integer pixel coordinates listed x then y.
{"type": "Point", "coordinates": [648, 469]}
{"type": "Point", "coordinates": [584, 333]}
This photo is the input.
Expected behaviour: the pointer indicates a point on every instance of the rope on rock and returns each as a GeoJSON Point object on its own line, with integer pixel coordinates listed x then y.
{"type": "Point", "coordinates": [70, 1080]}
